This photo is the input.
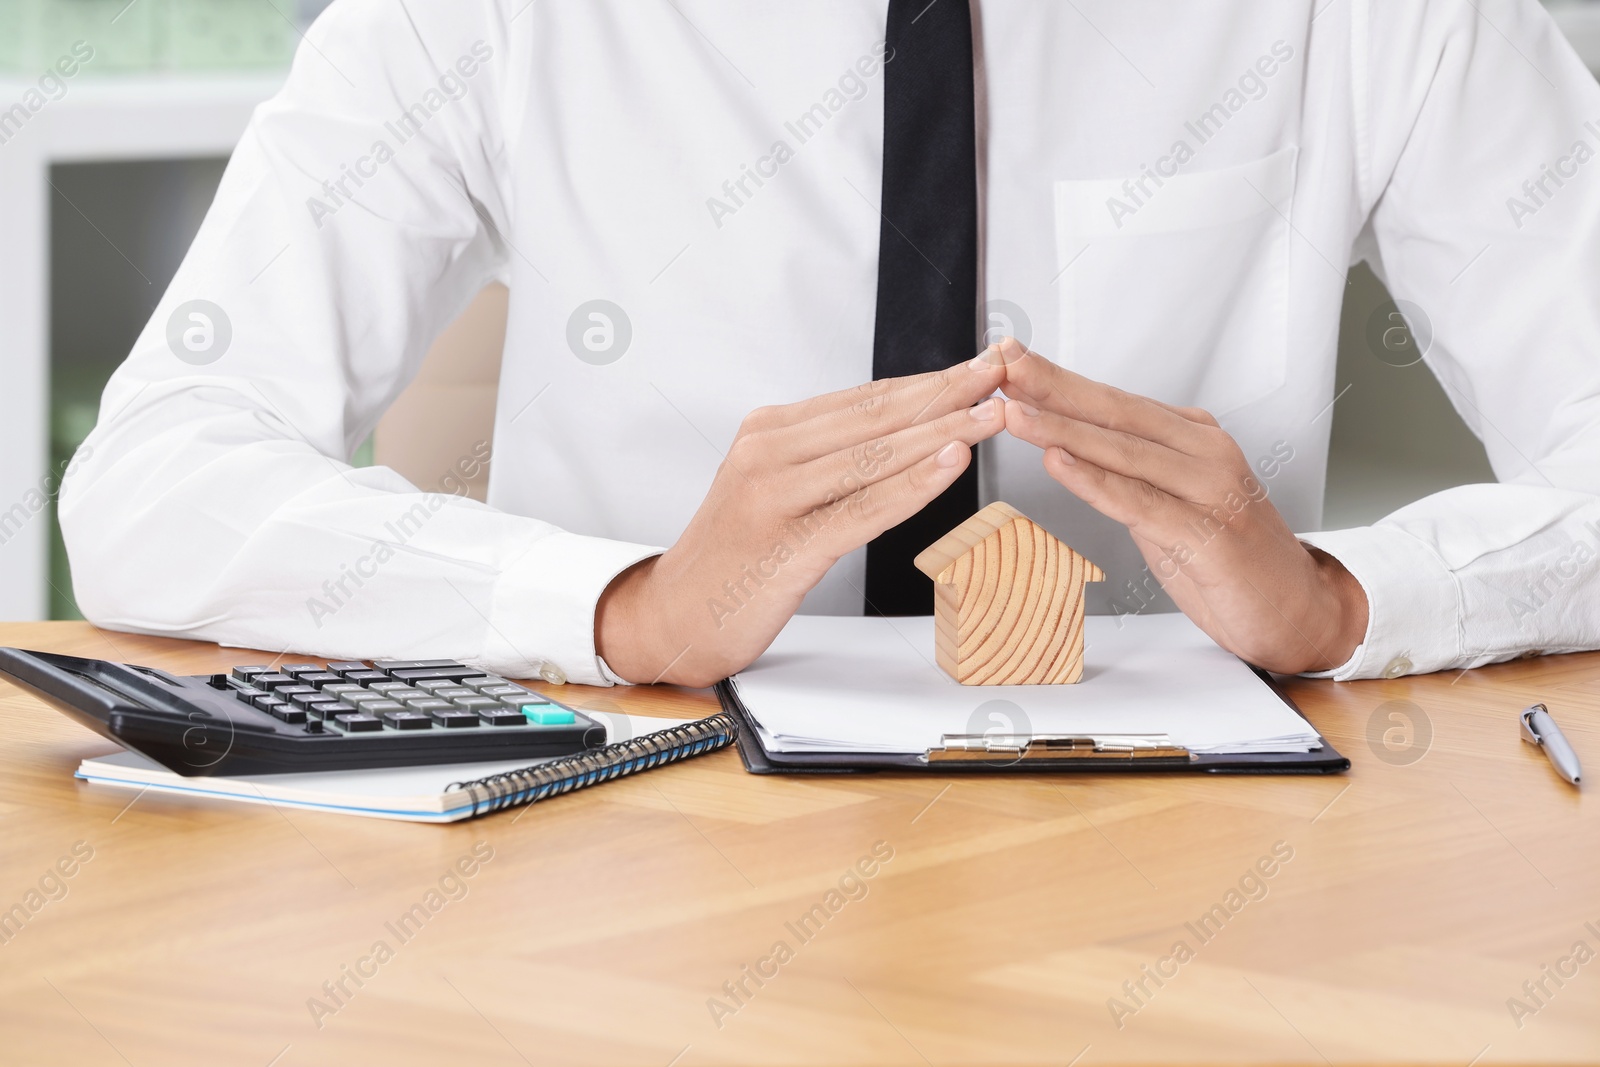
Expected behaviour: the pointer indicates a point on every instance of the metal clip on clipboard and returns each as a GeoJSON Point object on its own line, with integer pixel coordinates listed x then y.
{"type": "Point", "coordinates": [1043, 748]}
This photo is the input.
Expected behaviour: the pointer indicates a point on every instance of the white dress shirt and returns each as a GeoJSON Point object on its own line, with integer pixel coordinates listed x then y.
{"type": "Point", "coordinates": [1171, 196]}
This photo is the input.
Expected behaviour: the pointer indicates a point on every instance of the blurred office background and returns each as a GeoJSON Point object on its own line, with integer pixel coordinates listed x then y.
{"type": "Point", "coordinates": [119, 213]}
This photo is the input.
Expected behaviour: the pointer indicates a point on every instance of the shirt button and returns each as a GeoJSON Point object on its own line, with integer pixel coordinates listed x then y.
{"type": "Point", "coordinates": [553, 674]}
{"type": "Point", "coordinates": [1398, 666]}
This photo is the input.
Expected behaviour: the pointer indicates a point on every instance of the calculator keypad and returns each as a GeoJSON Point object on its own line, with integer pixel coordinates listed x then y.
{"type": "Point", "coordinates": [355, 698]}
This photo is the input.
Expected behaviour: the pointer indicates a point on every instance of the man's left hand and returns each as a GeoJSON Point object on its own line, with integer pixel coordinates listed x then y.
{"type": "Point", "coordinates": [1186, 493]}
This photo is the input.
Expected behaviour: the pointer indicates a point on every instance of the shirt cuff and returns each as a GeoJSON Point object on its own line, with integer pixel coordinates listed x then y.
{"type": "Point", "coordinates": [542, 621]}
{"type": "Point", "coordinates": [1413, 603]}
{"type": "Point", "coordinates": [611, 676]}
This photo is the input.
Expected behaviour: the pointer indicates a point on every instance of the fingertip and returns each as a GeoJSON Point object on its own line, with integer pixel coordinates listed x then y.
{"type": "Point", "coordinates": [1010, 350]}
{"type": "Point", "coordinates": [999, 426]}
{"type": "Point", "coordinates": [986, 410]}
{"type": "Point", "coordinates": [988, 360]}
{"type": "Point", "coordinates": [1016, 390]}
{"type": "Point", "coordinates": [1062, 456]}
{"type": "Point", "coordinates": [953, 454]}
{"type": "Point", "coordinates": [1064, 469]}
{"type": "Point", "coordinates": [1021, 420]}
{"type": "Point", "coordinates": [1023, 376]}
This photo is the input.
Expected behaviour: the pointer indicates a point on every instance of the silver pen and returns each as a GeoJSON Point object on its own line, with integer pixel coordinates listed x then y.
{"type": "Point", "coordinates": [1538, 728]}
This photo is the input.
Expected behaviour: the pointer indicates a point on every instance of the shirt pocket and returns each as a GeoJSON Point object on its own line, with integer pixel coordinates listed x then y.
{"type": "Point", "coordinates": [1179, 291]}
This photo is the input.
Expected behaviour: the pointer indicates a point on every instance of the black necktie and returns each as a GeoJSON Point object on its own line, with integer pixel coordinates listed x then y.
{"type": "Point", "coordinates": [927, 256]}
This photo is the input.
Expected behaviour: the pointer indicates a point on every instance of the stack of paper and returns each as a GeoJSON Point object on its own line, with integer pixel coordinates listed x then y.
{"type": "Point", "coordinates": [871, 685]}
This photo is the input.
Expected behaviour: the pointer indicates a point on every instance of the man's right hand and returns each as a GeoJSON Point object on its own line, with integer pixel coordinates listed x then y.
{"type": "Point", "coordinates": [801, 486]}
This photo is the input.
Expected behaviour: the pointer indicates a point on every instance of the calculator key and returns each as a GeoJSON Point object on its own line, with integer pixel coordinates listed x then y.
{"type": "Point", "coordinates": [428, 704]}
{"type": "Point", "coordinates": [549, 715]}
{"type": "Point", "coordinates": [365, 677]}
{"type": "Point", "coordinates": [248, 674]}
{"type": "Point", "coordinates": [304, 700]}
{"type": "Point", "coordinates": [269, 682]}
{"type": "Point", "coordinates": [358, 724]}
{"type": "Point", "coordinates": [502, 716]}
{"type": "Point", "coordinates": [430, 684]}
{"type": "Point", "coordinates": [403, 719]}
{"type": "Point", "coordinates": [314, 726]}
{"type": "Point", "coordinates": [245, 692]}
{"type": "Point", "coordinates": [456, 691]}
{"type": "Point", "coordinates": [478, 681]}
{"type": "Point", "coordinates": [454, 717]}
{"type": "Point", "coordinates": [332, 709]}
{"type": "Point", "coordinates": [421, 673]}
{"type": "Point", "coordinates": [339, 689]}
{"type": "Point", "coordinates": [346, 666]}
{"type": "Point", "coordinates": [404, 695]}
{"type": "Point", "coordinates": [411, 664]}
{"type": "Point", "coordinates": [319, 678]}
{"type": "Point", "coordinates": [378, 707]}
{"type": "Point", "coordinates": [513, 692]}
{"type": "Point", "coordinates": [268, 702]}
{"type": "Point", "coordinates": [360, 696]}
{"type": "Point", "coordinates": [285, 713]}
{"type": "Point", "coordinates": [476, 703]}
{"type": "Point", "coordinates": [387, 687]}
{"type": "Point", "coordinates": [295, 670]}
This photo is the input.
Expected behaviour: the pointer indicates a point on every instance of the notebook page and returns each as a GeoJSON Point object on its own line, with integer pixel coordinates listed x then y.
{"type": "Point", "coordinates": [384, 791]}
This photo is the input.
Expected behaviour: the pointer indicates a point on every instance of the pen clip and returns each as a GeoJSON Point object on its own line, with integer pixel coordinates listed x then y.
{"type": "Point", "coordinates": [1529, 734]}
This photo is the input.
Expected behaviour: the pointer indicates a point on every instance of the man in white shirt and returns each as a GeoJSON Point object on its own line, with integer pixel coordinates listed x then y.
{"type": "Point", "coordinates": [684, 199]}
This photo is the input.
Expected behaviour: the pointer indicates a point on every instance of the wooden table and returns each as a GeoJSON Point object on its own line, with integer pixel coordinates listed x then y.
{"type": "Point", "coordinates": [1420, 894]}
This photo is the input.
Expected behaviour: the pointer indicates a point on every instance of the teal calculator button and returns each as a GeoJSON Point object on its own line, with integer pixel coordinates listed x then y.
{"type": "Point", "coordinates": [546, 715]}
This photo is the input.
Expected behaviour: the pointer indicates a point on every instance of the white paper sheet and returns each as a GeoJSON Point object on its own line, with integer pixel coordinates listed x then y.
{"type": "Point", "coordinates": [415, 794]}
{"type": "Point", "coordinates": [857, 684]}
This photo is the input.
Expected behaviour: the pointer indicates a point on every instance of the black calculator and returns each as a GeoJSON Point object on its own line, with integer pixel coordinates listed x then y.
{"type": "Point", "coordinates": [264, 719]}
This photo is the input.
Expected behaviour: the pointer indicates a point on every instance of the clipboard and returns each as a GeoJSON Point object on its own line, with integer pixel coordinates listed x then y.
{"type": "Point", "coordinates": [1032, 754]}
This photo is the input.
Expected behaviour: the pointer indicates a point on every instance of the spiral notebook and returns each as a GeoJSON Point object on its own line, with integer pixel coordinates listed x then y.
{"type": "Point", "coordinates": [443, 793]}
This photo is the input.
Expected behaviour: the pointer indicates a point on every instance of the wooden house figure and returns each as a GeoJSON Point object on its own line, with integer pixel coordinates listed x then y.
{"type": "Point", "coordinates": [1008, 601]}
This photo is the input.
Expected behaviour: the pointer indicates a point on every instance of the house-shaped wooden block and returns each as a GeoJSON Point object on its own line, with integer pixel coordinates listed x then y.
{"type": "Point", "coordinates": [1008, 601]}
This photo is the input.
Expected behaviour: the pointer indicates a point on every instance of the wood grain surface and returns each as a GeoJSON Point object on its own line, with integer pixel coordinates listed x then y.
{"type": "Point", "coordinates": [700, 915]}
{"type": "Point", "coordinates": [1008, 601]}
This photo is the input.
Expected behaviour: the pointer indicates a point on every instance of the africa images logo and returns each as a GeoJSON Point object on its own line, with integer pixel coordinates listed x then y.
{"type": "Point", "coordinates": [199, 332]}
{"type": "Point", "coordinates": [599, 332]}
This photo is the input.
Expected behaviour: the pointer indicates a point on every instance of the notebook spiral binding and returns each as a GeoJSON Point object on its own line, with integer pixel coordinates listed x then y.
{"type": "Point", "coordinates": [541, 781]}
